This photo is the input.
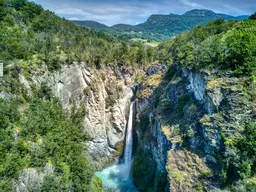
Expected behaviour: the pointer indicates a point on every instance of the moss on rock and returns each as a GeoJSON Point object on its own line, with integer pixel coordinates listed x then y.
{"type": "Point", "coordinates": [185, 170]}
{"type": "Point", "coordinates": [96, 184]}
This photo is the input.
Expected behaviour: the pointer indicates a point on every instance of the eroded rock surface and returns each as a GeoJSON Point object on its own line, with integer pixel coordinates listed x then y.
{"type": "Point", "coordinates": [106, 96]}
{"type": "Point", "coordinates": [185, 119]}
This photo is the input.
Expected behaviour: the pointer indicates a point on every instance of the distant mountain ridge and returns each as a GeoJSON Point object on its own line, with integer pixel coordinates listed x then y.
{"type": "Point", "coordinates": [93, 24]}
{"type": "Point", "coordinates": [162, 27]}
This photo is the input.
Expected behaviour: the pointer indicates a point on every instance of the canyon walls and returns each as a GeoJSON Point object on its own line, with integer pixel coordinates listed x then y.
{"type": "Point", "coordinates": [182, 124]}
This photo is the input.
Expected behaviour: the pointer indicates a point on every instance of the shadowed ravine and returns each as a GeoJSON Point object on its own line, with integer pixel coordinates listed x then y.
{"type": "Point", "coordinates": [117, 177]}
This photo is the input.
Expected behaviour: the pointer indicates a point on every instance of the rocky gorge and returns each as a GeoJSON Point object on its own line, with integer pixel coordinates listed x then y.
{"type": "Point", "coordinates": [82, 110]}
{"type": "Point", "coordinates": [183, 118]}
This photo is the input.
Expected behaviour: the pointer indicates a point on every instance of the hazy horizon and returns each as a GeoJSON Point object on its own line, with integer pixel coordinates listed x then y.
{"type": "Point", "coordinates": [111, 12]}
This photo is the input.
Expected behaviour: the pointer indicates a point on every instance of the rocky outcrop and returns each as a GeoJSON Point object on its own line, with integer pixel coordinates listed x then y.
{"type": "Point", "coordinates": [196, 85]}
{"type": "Point", "coordinates": [188, 115]}
{"type": "Point", "coordinates": [184, 169]}
{"type": "Point", "coordinates": [32, 179]}
{"type": "Point", "coordinates": [4, 95]}
{"type": "Point", "coordinates": [161, 146]}
{"type": "Point", "coordinates": [104, 93]}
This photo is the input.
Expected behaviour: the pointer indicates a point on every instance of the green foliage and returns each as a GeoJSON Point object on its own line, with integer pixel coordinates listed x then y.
{"type": "Point", "coordinates": [239, 157]}
{"type": "Point", "coordinates": [219, 45]}
{"type": "Point", "coordinates": [210, 53]}
{"type": "Point", "coordinates": [50, 184]}
{"type": "Point", "coordinates": [247, 185]}
{"type": "Point", "coordinates": [165, 106]}
{"type": "Point", "coordinates": [143, 172]}
{"type": "Point", "coordinates": [28, 32]}
{"type": "Point", "coordinates": [44, 133]}
{"type": "Point", "coordinates": [182, 102]}
{"type": "Point", "coordinates": [160, 182]}
{"type": "Point", "coordinates": [247, 148]}
{"type": "Point", "coordinates": [96, 184]}
{"type": "Point", "coordinates": [241, 53]}
{"type": "Point", "coordinates": [185, 55]}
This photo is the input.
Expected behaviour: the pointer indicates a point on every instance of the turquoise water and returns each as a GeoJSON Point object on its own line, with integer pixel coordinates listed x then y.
{"type": "Point", "coordinates": [116, 178]}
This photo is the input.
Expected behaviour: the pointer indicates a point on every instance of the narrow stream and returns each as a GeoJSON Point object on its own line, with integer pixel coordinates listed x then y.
{"type": "Point", "coordinates": [117, 178]}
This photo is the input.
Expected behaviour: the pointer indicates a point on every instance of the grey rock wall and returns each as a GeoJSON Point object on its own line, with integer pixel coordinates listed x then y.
{"type": "Point", "coordinates": [106, 95]}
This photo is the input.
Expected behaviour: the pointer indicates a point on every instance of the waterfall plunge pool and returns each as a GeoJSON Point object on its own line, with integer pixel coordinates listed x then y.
{"type": "Point", "coordinates": [117, 178]}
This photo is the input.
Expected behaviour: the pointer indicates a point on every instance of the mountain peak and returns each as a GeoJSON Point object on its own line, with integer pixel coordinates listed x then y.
{"type": "Point", "coordinates": [200, 13]}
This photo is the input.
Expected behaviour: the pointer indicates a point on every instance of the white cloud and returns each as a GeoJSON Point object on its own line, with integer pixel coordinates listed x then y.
{"type": "Point", "coordinates": [191, 4]}
{"type": "Point", "coordinates": [70, 11]}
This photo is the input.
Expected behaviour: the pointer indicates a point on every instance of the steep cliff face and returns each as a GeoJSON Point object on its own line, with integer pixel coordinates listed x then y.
{"type": "Point", "coordinates": [105, 94]}
{"type": "Point", "coordinates": [182, 124]}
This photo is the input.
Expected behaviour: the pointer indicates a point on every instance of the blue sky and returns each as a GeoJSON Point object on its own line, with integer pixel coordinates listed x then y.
{"type": "Point", "coordinates": [111, 12]}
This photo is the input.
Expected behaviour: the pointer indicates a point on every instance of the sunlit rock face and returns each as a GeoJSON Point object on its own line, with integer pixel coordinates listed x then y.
{"type": "Point", "coordinates": [105, 94]}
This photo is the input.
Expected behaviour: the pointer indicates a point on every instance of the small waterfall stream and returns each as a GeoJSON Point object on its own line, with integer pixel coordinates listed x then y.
{"type": "Point", "coordinates": [117, 177]}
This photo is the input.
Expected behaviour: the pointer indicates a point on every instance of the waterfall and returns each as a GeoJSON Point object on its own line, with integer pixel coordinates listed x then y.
{"type": "Point", "coordinates": [129, 139]}
{"type": "Point", "coordinates": [117, 177]}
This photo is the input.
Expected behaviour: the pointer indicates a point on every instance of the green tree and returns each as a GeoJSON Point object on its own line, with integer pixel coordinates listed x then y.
{"type": "Point", "coordinates": [17, 4]}
{"type": "Point", "coordinates": [141, 55]}
{"type": "Point", "coordinates": [185, 55]}
{"type": "Point", "coordinates": [241, 53]}
{"type": "Point", "coordinates": [31, 10]}
{"type": "Point", "coordinates": [210, 52]}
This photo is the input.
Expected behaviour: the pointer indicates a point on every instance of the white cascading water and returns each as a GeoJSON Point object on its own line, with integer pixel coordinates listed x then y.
{"type": "Point", "coordinates": [117, 177]}
{"type": "Point", "coordinates": [129, 138]}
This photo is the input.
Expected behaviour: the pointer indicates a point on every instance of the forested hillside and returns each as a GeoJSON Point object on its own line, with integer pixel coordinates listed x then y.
{"type": "Point", "coordinates": [30, 33]}
{"type": "Point", "coordinates": [218, 46]}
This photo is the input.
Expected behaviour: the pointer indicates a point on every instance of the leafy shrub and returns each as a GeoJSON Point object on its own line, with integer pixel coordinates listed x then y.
{"type": "Point", "coordinates": [239, 158]}
{"type": "Point", "coordinates": [227, 45]}
{"type": "Point", "coordinates": [143, 172]}
{"type": "Point", "coordinates": [110, 101]}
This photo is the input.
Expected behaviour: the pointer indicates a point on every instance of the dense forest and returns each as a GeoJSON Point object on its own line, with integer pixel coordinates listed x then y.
{"type": "Point", "coordinates": [220, 45]}
{"type": "Point", "coordinates": [37, 36]}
